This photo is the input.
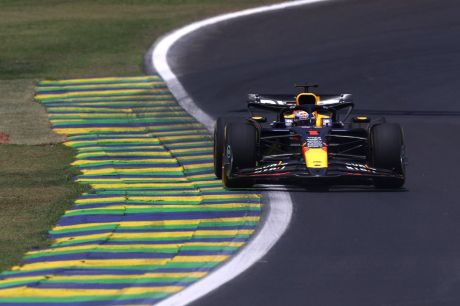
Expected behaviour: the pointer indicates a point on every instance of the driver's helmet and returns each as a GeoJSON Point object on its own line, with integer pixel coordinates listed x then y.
{"type": "Point", "coordinates": [303, 118]}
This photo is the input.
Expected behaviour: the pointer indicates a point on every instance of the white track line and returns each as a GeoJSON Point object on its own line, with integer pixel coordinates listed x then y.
{"type": "Point", "coordinates": [279, 204]}
{"type": "Point", "coordinates": [157, 57]}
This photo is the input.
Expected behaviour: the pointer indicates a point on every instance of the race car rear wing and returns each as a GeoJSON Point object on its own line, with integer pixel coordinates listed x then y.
{"type": "Point", "coordinates": [280, 103]}
{"type": "Point", "coordinates": [270, 101]}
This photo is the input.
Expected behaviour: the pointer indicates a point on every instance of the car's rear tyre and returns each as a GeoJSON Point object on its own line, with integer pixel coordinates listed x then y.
{"type": "Point", "coordinates": [387, 152]}
{"type": "Point", "coordinates": [241, 139]}
{"type": "Point", "coordinates": [219, 139]}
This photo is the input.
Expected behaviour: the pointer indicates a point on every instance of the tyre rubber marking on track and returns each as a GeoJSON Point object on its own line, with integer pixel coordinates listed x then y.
{"type": "Point", "coordinates": [156, 219]}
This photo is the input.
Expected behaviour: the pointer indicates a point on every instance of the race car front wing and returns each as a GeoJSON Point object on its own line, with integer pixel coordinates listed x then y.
{"type": "Point", "coordinates": [296, 173]}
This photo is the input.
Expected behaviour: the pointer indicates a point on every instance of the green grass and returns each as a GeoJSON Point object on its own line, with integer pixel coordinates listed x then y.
{"type": "Point", "coordinates": [36, 187]}
{"type": "Point", "coordinates": [58, 39]}
{"type": "Point", "coordinates": [62, 39]}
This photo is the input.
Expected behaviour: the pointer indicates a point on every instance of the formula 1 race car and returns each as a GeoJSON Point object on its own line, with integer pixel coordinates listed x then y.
{"type": "Point", "coordinates": [309, 141]}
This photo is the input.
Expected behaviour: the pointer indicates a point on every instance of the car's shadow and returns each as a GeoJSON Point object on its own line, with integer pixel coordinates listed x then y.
{"type": "Point", "coordinates": [321, 189]}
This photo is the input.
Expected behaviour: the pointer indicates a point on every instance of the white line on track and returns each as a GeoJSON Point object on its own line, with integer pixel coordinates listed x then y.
{"type": "Point", "coordinates": [279, 204]}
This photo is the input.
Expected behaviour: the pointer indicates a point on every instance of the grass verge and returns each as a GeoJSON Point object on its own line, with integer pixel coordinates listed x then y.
{"type": "Point", "coordinates": [36, 187]}
{"type": "Point", "coordinates": [58, 39]}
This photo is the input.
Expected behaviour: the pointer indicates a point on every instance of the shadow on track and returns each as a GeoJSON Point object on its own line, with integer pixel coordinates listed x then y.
{"type": "Point", "coordinates": [322, 189]}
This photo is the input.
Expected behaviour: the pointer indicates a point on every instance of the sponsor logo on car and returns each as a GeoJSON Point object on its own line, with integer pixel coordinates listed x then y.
{"type": "Point", "coordinates": [360, 168]}
{"type": "Point", "coordinates": [270, 168]}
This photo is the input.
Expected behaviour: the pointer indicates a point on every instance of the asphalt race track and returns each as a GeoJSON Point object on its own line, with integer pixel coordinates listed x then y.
{"type": "Point", "coordinates": [351, 246]}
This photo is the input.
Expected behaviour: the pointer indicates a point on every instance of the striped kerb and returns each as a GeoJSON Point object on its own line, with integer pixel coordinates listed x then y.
{"type": "Point", "coordinates": [156, 218]}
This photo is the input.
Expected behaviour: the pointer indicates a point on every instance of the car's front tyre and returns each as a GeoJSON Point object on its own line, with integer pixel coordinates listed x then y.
{"type": "Point", "coordinates": [387, 152]}
{"type": "Point", "coordinates": [219, 139]}
{"type": "Point", "coordinates": [241, 152]}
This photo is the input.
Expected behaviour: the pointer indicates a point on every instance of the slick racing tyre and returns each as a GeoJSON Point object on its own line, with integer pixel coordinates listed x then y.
{"type": "Point", "coordinates": [219, 138]}
{"type": "Point", "coordinates": [387, 152]}
{"type": "Point", "coordinates": [241, 152]}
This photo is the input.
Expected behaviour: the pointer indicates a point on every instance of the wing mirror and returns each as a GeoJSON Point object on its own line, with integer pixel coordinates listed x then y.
{"type": "Point", "coordinates": [361, 119]}
{"type": "Point", "coordinates": [259, 118]}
